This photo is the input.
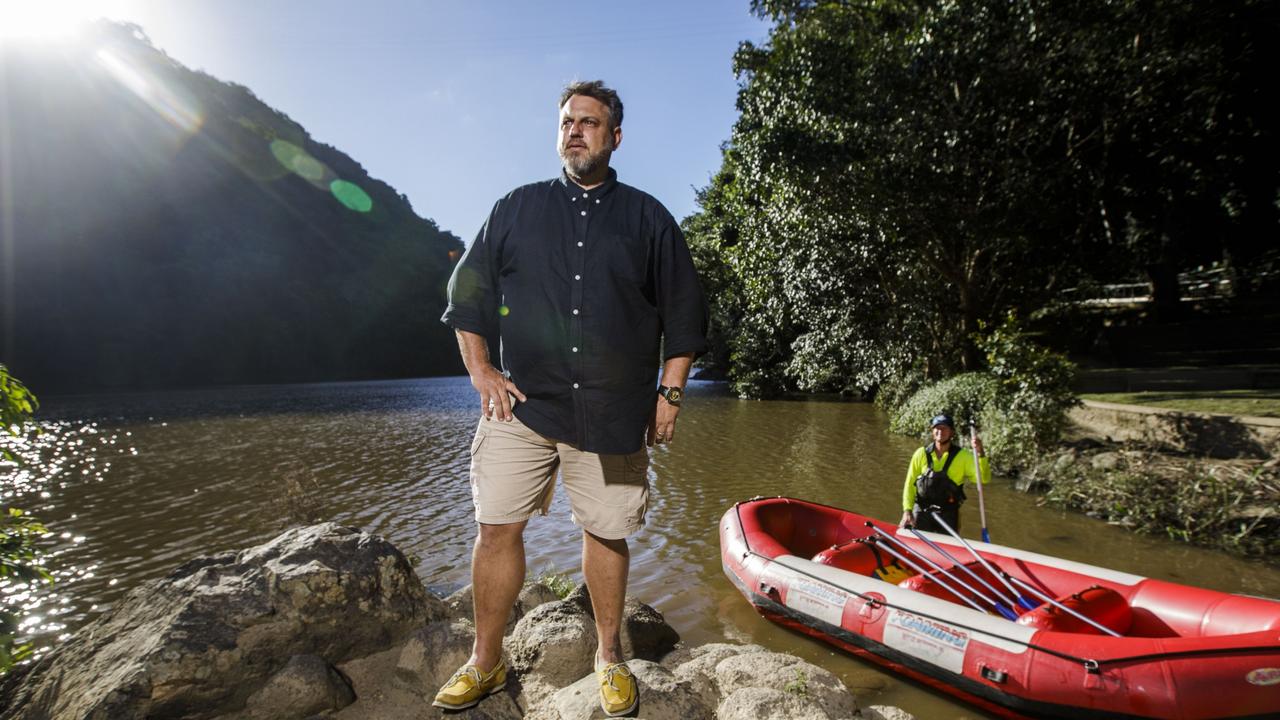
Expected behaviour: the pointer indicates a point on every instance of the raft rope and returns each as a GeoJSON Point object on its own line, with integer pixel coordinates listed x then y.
{"type": "Point", "coordinates": [1091, 666]}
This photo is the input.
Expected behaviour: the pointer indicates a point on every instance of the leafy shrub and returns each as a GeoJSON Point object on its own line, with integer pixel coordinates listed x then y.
{"type": "Point", "coordinates": [962, 396]}
{"type": "Point", "coordinates": [19, 559]}
{"type": "Point", "coordinates": [1020, 404]}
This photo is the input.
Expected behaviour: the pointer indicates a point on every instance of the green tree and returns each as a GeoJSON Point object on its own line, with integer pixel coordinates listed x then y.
{"type": "Point", "coordinates": [904, 172]}
{"type": "Point", "coordinates": [18, 531]}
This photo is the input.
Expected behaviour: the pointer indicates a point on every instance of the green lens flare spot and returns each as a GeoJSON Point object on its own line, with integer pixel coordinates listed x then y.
{"type": "Point", "coordinates": [296, 159]}
{"type": "Point", "coordinates": [503, 310]}
{"type": "Point", "coordinates": [351, 195]}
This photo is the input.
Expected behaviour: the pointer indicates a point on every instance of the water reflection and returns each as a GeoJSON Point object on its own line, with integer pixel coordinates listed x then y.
{"type": "Point", "coordinates": [133, 485]}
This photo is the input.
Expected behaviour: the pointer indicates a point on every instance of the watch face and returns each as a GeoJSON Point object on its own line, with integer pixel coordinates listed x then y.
{"type": "Point", "coordinates": [674, 395]}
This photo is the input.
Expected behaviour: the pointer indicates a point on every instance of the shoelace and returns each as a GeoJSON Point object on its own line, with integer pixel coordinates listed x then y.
{"type": "Point", "coordinates": [471, 670]}
{"type": "Point", "coordinates": [612, 670]}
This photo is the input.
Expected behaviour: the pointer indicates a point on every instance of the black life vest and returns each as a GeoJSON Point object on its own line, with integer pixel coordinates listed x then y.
{"type": "Point", "coordinates": [933, 487]}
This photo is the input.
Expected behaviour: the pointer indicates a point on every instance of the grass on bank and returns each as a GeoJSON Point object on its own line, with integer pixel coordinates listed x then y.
{"type": "Point", "coordinates": [1260, 403]}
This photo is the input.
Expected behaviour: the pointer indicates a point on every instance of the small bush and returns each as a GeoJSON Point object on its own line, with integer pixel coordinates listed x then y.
{"type": "Point", "coordinates": [962, 397]}
{"type": "Point", "coordinates": [1020, 404]}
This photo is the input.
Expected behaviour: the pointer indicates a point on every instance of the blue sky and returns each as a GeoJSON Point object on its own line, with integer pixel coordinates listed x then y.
{"type": "Point", "coordinates": [453, 103]}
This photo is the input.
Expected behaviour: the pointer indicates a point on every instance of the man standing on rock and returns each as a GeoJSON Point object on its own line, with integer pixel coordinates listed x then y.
{"type": "Point", "coordinates": [581, 279]}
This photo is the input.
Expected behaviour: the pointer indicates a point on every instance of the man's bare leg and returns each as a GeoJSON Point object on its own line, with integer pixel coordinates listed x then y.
{"type": "Point", "coordinates": [605, 564]}
{"type": "Point", "coordinates": [497, 574]}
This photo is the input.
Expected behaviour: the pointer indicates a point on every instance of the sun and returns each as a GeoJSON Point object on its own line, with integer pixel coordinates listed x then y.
{"type": "Point", "coordinates": [44, 19]}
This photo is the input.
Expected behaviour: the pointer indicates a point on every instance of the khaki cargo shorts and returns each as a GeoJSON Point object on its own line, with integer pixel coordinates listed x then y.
{"type": "Point", "coordinates": [513, 472]}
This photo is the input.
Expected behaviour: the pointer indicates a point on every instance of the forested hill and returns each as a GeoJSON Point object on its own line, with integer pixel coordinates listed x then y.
{"type": "Point", "coordinates": [161, 227]}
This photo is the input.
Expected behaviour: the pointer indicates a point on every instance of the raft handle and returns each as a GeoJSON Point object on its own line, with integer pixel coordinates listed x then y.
{"type": "Point", "coordinates": [1091, 667]}
{"type": "Point", "coordinates": [770, 591]}
{"type": "Point", "coordinates": [996, 676]}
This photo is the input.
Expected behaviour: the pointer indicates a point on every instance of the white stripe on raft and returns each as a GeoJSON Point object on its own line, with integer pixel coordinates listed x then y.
{"type": "Point", "coordinates": [992, 629]}
{"type": "Point", "coordinates": [1115, 576]}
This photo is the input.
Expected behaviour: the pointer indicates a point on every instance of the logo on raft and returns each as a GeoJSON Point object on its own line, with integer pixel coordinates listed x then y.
{"type": "Point", "coordinates": [944, 633]}
{"type": "Point", "coordinates": [1264, 676]}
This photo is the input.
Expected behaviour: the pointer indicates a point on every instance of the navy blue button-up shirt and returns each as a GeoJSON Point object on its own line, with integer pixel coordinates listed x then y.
{"type": "Point", "coordinates": [582, 287]}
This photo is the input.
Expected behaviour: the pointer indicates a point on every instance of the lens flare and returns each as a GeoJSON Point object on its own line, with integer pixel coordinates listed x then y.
{"type": "Point", "coordinates": [171, 103]}
{"type": "Point", "coordinates": [350, 195]}
{"type": "Point", "coordinates": [300, 162]}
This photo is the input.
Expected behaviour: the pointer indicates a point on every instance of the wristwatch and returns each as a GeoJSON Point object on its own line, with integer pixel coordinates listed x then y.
{"type": "Point", "coordinates": [673, 394]}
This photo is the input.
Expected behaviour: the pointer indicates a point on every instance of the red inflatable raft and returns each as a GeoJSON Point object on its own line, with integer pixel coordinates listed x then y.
{"type": "Point", "coordinates": [1109, 645]}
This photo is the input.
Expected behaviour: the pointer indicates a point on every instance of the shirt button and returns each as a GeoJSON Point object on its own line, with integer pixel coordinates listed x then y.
{"type": "Point", "coordinates": [575, 310]}
{"type": "Point", "coordinates": [577, 277]}
{"type": "Point", "coordinates": [575, 386]}
{"type": "Point", "coordinates": [597, 201]}
{"type": "Point", "coordinates": [579, 245]}
{"type": "Point", "coordinates": [584, 194]}
{"type": "Point", "coordinates": [573, 199]}
{"type": "Point", "coordinates": [584, 212]}
{"type": "Point", "coordinates": [575, 349]}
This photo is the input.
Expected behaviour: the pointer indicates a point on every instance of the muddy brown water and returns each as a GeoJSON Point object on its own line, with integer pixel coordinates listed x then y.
{"type": "Point", "coordinates": [133, 485]}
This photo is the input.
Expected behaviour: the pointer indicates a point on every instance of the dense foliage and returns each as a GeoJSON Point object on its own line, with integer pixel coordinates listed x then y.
{"type": "Point", "coordinates": [905, 172]}
{"type": "Point", "coordinates": [162, 227]}
{"type": "Point", "coordinates": [19, 560]}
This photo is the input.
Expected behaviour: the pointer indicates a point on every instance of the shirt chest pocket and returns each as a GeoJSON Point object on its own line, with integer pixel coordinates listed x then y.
{"type": "Point", "coordinates": [625, 258]}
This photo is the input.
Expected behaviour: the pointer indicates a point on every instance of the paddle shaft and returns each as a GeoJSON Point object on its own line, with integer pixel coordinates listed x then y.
{"type": "Point", "coordinates": [939, 549]}
{"type": "Point", "coordinates": [1060, 606]}
{"type": "Point", "coordinates": [977, 466]}
{"type": "Point", "coordinates": [1021, 600]}
{"type": "Point", "coordinates": [922, 571]}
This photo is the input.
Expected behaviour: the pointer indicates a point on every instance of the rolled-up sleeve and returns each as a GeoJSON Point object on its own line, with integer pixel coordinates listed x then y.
{"type": "Point", "coordinates": [473, 296]}
{"type": "Point", "coordinates": [681, 304]}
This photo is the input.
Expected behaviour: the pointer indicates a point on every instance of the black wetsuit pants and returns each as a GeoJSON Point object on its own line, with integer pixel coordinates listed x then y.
{"type": "Point", "coordinates": [950, 515]}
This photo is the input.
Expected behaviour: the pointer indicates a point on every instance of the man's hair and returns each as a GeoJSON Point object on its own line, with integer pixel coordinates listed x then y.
{"type": "Point", "coordinates": [597, 90]}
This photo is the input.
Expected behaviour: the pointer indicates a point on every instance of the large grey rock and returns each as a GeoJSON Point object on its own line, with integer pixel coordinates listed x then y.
{"type": "Point", "coordinates": [556, 641]}
{"type": "Point", "coordinates": [787, 674]}
{"type": "Point", "coordinates": [432, 654]}
{"type": "Point", "coordinates": [305, 686]}
{"type": "Point", "coordinates": [199, 642]}
{"type": "Point", "coordinates": [758, 703]}
{"type": "Point", "coordinates": [661, 696]}
{"type": "Point", "coordinates": [885, 712]}
{"type": "Point", "coordinates": [683, 654]}
{"type": "Point", "coordinates": [699, 670]}
{"type": "Point", "coordinates": [532, 595]}
{"type": "Point", "coordinates": [386, 692]}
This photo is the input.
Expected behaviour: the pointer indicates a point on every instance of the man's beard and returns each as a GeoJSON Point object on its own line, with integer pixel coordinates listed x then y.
{"type": "Point", "coordinates": [582, 165]}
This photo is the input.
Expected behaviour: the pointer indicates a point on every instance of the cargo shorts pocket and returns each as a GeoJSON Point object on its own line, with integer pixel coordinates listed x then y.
{"type": "Point", "coordinates": [482, 431]}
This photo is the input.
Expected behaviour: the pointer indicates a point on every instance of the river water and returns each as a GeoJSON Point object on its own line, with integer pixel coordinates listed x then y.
{"type": "Point", "coordinates": [133, 485]}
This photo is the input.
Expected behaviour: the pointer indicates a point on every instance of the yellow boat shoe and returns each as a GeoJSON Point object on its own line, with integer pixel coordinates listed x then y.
{"type": "Point", "coordinates": [469, 686]}
{"type": "Point", "coordinates": [618, 692]}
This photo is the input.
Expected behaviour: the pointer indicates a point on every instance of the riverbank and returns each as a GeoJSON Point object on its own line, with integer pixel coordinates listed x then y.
{"type": "Point", "coordinates": [329, 622]}
{"type": "Point", "coordinates": [1203, 478]}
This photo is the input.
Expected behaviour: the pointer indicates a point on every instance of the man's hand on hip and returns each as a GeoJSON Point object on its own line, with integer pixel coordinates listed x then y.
{"type": "Point", "coordinates": [495, 393]}
{"type": "Point", "coordinates": [662, 424]}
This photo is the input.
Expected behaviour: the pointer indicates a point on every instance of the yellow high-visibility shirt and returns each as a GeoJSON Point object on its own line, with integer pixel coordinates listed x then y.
{"type": "Point", "coordinates": [962, 469]}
